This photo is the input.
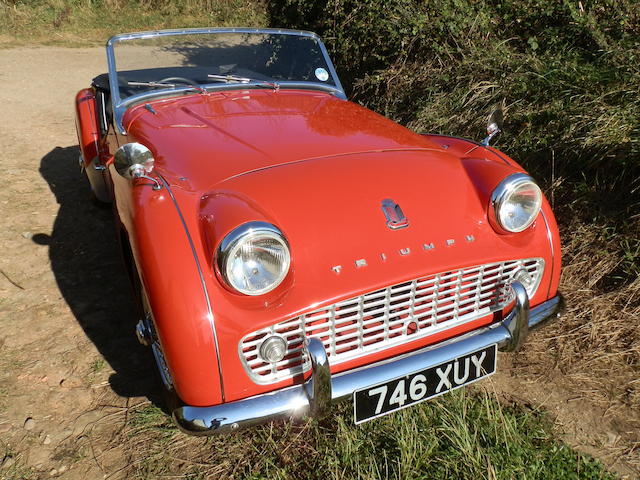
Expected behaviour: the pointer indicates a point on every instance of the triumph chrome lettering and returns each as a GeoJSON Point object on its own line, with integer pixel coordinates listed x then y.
{"type": "Point", "coordinates": [403, 252]}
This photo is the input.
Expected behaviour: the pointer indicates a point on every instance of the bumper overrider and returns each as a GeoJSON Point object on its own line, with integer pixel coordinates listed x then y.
{"type": "Point", "coordinates": [313, 397]}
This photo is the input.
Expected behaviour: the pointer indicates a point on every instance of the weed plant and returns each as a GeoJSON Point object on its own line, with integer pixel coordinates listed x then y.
{"type": "Point", "coordinates": [461, 435]}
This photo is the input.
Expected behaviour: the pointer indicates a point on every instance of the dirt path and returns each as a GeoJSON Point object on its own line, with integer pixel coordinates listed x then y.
{"type": "Point", "coordinates": [57, 373]}
{"type": "Point", "coordinates": [70, 367]}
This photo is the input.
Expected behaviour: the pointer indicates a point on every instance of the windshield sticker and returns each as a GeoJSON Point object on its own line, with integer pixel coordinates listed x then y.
{"type": "Point", "coordinates": [322, 74]}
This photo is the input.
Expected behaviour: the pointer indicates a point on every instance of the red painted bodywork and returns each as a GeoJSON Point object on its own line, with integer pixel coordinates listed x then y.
{"type": "Point", "coordinates": [317, 167]}
{"type": "Point", "coordinates": [87, 125]}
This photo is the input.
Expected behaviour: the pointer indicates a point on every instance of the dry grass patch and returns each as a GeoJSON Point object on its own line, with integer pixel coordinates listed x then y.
{"type": "Point", "coordinates": [598, 342]}
{"type": "Point", "coordinates": [461, 435]}
{"type": "Point", "coordinates": [91, 22]}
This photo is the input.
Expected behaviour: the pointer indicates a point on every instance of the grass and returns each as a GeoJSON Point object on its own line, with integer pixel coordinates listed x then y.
{"type": "Point", "coordinates": [97, 365]}
{"type": "Point", "coordinates": [11, 467]}
{"type": "Point", "coordinates": [463, 435]}
{"type": "Point", "coordinates": [91, 22]}
{"type": "Point", "coordinates": [95, 369]}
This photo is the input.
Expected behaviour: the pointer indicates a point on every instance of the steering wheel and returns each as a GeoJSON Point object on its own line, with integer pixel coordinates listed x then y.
{"type": "Point", "coordinates": [179, 79]}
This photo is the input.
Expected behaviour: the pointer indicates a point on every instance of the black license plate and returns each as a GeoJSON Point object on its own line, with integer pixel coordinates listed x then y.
{"type": "Point", "coordinates": [417, 387]}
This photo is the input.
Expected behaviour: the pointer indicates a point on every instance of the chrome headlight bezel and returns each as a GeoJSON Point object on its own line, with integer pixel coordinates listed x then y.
{"type": "Point", "coordinates": [239, 236]}
{"type": "Point", "coordinates": [501, 196]}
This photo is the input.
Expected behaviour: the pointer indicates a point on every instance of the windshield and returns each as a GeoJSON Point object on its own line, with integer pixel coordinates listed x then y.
{"type": "Point", "coordinates": [153, 63]}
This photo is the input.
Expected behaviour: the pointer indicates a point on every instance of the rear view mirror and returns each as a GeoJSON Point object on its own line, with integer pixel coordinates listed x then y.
{"type": "Point", "coordinates": [494, 125]}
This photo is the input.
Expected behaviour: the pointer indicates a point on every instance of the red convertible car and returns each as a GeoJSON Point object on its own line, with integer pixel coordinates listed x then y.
{"type": "Point", "coordinates": [290, 248]}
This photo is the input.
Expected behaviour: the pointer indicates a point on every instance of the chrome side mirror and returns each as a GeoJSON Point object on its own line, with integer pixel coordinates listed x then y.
{"type": "Point", "coordinates": [134, 160]}
{"type": "Point", "coordinates": [494, 125]}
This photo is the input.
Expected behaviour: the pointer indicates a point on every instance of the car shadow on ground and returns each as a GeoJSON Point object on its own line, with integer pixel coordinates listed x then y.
{"type": "Point", "coordinates": [91, 276]}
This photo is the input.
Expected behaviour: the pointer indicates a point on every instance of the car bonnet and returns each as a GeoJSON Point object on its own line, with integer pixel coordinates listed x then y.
{"type": "Point", "coordinates": [209, 138]}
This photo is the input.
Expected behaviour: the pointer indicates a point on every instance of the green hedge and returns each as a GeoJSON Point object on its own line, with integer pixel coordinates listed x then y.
{"type": "Point", "coordinates": [567, 72]}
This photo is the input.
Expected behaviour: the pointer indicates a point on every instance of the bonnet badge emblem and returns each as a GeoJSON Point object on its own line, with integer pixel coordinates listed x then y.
{"type": "Point", "coordinates": [393, 213]}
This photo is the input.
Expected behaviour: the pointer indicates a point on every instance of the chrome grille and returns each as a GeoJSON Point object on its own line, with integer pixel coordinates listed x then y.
{"type": "Point", "coordinates": [389, 316]}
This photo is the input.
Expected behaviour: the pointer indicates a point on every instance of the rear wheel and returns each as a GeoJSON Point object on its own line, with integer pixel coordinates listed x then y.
{"type": "Point", "coordinates": [95, 174]}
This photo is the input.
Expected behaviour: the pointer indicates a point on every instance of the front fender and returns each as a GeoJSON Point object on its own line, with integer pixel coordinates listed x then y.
{"type": "Point", "coordinates": [171, 273]}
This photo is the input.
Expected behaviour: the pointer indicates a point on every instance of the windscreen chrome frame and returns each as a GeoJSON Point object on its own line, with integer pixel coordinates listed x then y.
{"type": "Point", "coordinates": [120, 106]}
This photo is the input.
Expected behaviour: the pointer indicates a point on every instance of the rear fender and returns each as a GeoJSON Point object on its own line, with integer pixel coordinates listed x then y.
{"type": "Point", "coordinates": [87, 126]}
{"type": "Point", "coordinates": [88, 130]}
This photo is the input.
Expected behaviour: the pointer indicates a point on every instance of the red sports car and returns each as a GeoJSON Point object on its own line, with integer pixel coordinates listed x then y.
{"type": "Point", "coordinates": [290, 248]}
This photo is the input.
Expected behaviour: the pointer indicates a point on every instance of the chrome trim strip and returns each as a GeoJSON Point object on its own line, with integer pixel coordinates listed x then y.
{"type": "Point", "coordinates": [333, 155]}
{"type": "Point", "coordinates": [202, 281]}
{"type": "Point", "coordinates": [294, 401]}
{"type": "Point", "coordinates": [104, 123]}
{"type": "Point", "coordinates": [493, 150]}
{"type": "Point", "coordinates": [551, 247]}
{"type": "Point", "coordinates": [498, 154]}
{"type": "Point", "coordinates": [119, 106]}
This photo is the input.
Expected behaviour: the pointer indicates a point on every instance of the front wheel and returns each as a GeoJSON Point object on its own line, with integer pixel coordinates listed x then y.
{"type": "Point", "coordinates": [147, 335]}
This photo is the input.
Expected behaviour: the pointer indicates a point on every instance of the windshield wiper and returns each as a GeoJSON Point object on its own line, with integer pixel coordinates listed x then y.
{"type": "Point", "coordinates": [152, 84]}
{"type": "Point", "coordinates": [236, 78]}
{"type": "Point", "coordinates": [229, 78]}
{"type": "Point", "coordinates": [163, 85]}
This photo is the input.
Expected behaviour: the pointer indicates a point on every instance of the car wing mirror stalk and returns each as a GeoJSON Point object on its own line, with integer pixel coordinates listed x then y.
{"type": "Point", "coordinates": [494, 126]}
{"type": "Point", "coordinates": [137, 171]}
{"type": "Point", "coordinates": [134, 160]}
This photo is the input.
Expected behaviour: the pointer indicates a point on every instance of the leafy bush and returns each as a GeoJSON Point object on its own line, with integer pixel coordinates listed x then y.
{"type": "Point", "coordinates": [566, 72]}
{"type": "Point", "coordinates": [568, 75]}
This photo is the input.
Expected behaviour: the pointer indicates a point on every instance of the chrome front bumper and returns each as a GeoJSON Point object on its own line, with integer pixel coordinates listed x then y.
{"type": "Point", "coordinates": [316, 394]}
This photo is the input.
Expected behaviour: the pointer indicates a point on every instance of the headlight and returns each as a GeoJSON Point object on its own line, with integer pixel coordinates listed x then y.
{"type": "Point", "coordinates": [254, 258]}
{"type": "Point", "coordinates": [515, 203]}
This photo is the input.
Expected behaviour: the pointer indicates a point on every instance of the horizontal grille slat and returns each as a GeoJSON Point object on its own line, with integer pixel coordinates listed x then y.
{"type": "Point", "coordinates": [391, 316]}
